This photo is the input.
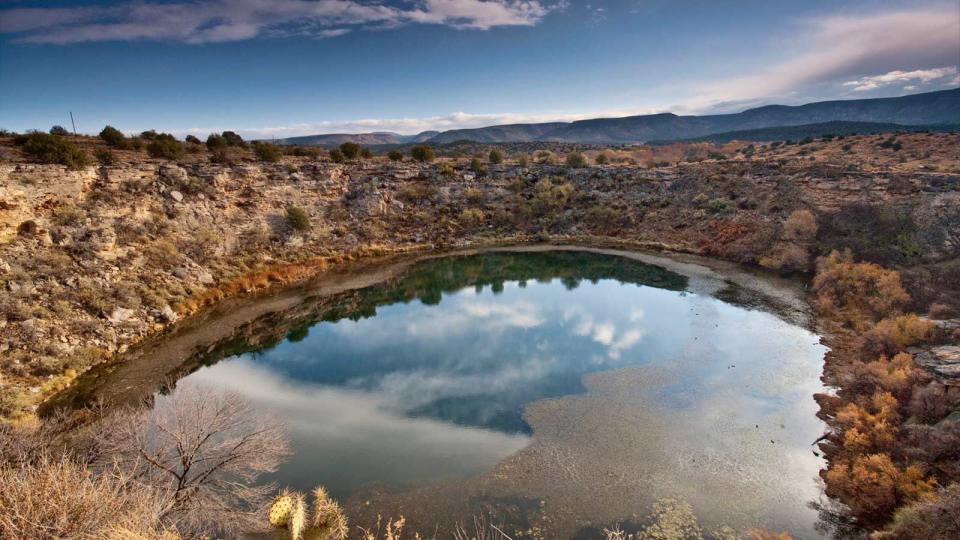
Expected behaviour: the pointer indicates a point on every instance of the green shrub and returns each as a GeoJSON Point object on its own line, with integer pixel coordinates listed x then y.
{"type": "Point", "coordinates": [105, 156]}
{"type": "Point", "coordinates": [297, 218]}
{"type": "Point", "coordinates": [192, 139]}
{"type": "Point", "coordinates": [59, 130]}
{"type": "Point", "coordinates": [336, 155]}
{"type": "Point", "coordinates": [395, 155]}
{"type": "Point", "coordinates": [365, 153]}
{"type": "Point", "coordinates": [471, 217]}
{"type": "Point", "coordinates": [495, 156]}
{"type": "Point", "coordinates": [576, 160]}
{"type": "Point", "coordinates": [601, 159]}
{"type": "Point", "coordinates": [113, 137]}
{"type": "Point", "coordinates": [148, 135]}
{"type": "Point", "coordinates": [46, 148]}
{"type": "Point", "coordinates": [232, 139]}
{"type": "Point", "coordinates": [422, 153]}
{"type": "Point", "coordinates": [302, 151]}
{"type": "Point", "coordinates": [523, 160]}
{"type": "Point", "coordinates": [477, 166]}
{"type": "Point", "coordinates": [350, 150]}
{"type": "Point", "coordinates": [165, 146]}
{"type": "Point", "coordinates": [267, 152]}
{"type": "Point", "coordinates": [216, 142]}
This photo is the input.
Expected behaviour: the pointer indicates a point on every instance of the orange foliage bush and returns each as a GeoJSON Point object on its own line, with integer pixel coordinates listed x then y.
{"type": "Point", "coordinates": [873, 487]}
{"type": "Point", "coordinates": [787, 258]}
{"type": "Point", "coordinates": [857, 292]}
{"type": "Point", "coordinates": [892, 335]}
{"type": "Point", "coordinates": [871, 426]}
{"type": "Point", "coordinates": [897, 375]}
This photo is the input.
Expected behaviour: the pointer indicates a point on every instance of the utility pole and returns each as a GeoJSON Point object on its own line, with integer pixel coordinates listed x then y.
{"type": "Point", "coordinates": [74, 124]}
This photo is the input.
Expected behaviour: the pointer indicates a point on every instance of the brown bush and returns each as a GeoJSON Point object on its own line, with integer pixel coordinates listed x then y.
{"type": "Point", "coordinates": [54, 497]}
{"type": "Point", "coordinates": [787, 258]}
{"type": "Point", "coordinates": [935, 519]}
{"type": "Point", "coordinates": [892, 335]}
{"type": "Point", "coordinates": [896, 375]}
{"type": "Point", "coordinates": [857, 292]}
{"type": "Point", "coordinates": [870, 426]}
{"type": "Point", "coordinates": [873, 487]}
{"type": "Point", "coordinates": [800, 226]}
{"type": "Point", "coordinates": [934, 402]}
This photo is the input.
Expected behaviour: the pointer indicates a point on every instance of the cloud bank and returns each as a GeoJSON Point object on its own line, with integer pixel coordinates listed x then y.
{"type": "Point", "coordinates": [196, 22]}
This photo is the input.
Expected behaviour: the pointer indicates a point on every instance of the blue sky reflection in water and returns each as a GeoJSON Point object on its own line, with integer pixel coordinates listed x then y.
{"type": "Point", "coordinates": [420, 393]}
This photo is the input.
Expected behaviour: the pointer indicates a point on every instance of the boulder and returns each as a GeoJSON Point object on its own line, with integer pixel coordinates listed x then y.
{"type": "Point", "coordinates": [119, 315]}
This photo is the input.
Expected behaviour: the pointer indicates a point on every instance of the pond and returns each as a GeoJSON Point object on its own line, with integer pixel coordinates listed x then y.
{"type": "Point", "coordinates": [560, 391]}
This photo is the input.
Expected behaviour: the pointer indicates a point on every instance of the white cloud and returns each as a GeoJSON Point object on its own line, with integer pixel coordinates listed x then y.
{"type": "Point", "coordinates": [233, 20]}
{"type": "Point", "coordinates": [456, 120]}
{"type": "Point", "coordinates": [837, 49]}
{"type": "Point", "coordinates": [897, 76]}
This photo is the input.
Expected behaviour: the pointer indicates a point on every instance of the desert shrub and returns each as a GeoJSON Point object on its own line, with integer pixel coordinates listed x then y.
{"type": "Point", "coordinates": [857, 291]}
{"type": "Point", "coordinates": [192, 139]}
{"type": "Point", "coordinates": [523, 160]}
{"type": "Point", "coordinates": [350, 150]}
{"type": "Point", "coordinates": [297, 218]}
{"type": "Point", "coordinates": [894, 334]}
{"type": "Point", "coordinates": [336, 155]}
{"type": "Point", "coordinates": [46, 148]}
{"type": "Point", "coordinates": [365, 153]}
{"type": "Point", "coordinates": [216, 142]}
{"type": "Point", "coordinates": [869, 425]}
{"type": "Point", "coordinates": [56, 497]}
{"type": "Point", "coordinates": [477, 166]}
{"type": "Point", "coordinates": [59, 130]}
{"type": "Point", "coordinates": [935, 519]}
{"type": "Point", "coordinates": [787, 258]}
{"type": "Point", "coordinates": [576, 160]}
{"type": "Point", "coordinates": [422, 153]}
{"type": "Point", "coordinates": [549, 195]}
{"type": "Point", "coordinates": [495, 157]}
{"type": "Point", "coordinates": [148, 135]}
{"type": "Point", "coordinates": [603, 218]}
{"type": "Point", "coordinates": [873, 233]}
{"type": "Point", "coordinates": [896, 375]}
{"type": "Point", "coordinates": [301, 151]}
{"type": "Point", "coordinates": [113, 137]}
{"type": "Point", "coordinates": [933, 402]}
{"type": "Point", "coordinates": [105, 156]}
{"type": "Point", "coordinates": [721, 205]}
{"type": "Point", "coordinates": [267, 152]}
{"type": "Point", "coordinates": [473, 194]}
{"type": "Point", "coordinates": [395, 155]}
{"type": "Point", "coordinates": [446, 169]}
{"type": "Point", "coordinates": [165, 146]}
{"type": "Point", "coordinates": [28, 228]}
{"type": "Point", "coordinates": [233, 139]}
{"type": "Point", "coordinates": [873, 487]}
{"type": "Point", "coordinates": [162, 254]}
{"type": "Point", "coordinates": [601, 159]}
{"type": "Point", "coordinates": [67, 215]}
{"type": "Point", "coordinates": [471, 217]}
{"type": "Point", "coordinates": [800, 226]}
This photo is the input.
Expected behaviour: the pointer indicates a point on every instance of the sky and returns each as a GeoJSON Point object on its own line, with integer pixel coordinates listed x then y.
{"type": "Point", "coordinates": [278, 68]}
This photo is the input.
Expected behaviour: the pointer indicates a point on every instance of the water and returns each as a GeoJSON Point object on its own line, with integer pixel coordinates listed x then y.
{"type": "Point", "coordinates": [552, 388]}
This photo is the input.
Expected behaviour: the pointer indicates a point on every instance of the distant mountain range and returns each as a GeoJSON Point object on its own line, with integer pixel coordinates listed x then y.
{"type": "Point", "coordinates": [870, 115]}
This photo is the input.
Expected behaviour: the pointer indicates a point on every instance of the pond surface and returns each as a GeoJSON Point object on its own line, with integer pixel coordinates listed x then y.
{"type": "Point", "coordinates": [583, 385]}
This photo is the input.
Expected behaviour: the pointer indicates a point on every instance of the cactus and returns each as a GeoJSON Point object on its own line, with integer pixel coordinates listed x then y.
{"type": "Point", "coordinates": [281, 509]}
{"type": "Point", "coordinates": [289, 511]}
{"type": "Point", "coordinates": [329, 523]}
{"type": "Point", "coordinates": [298, 517]}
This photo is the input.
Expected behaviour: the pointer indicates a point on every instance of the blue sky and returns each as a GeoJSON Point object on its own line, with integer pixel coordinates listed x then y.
{"type": "Point", "coordinates": [292, 67]}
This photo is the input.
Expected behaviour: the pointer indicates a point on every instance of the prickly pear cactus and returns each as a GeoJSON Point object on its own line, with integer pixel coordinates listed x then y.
{"type": "Point", "coordinates": [329, 523]}
{"type": "Point", "coordinates": [281, 509]}
{"type": "Point", "coordinates": [298, 517]}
